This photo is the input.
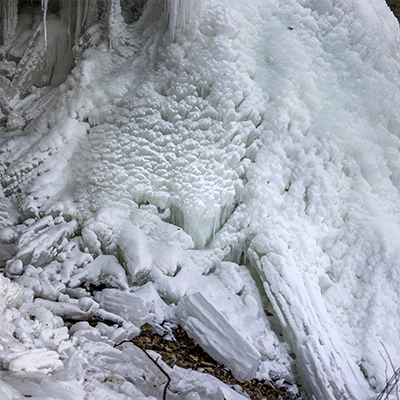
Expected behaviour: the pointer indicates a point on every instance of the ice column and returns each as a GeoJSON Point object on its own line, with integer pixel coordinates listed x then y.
{"type": "Point", "coordinates": [322, 361]}
{"type": "Point", "coordinates": [44, 8]}
{"type": "Point", "coordinates": [9, 18]}
{"type": "Point", "coordinates": [79, 15]}
{"type": "Point", "coordinates": [116, 28]}
{"type": "Point", "coordinates": [181, 12]}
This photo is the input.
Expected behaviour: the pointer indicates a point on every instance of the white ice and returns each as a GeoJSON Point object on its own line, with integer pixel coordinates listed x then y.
{"type": "Point", "coordinates": [228, 166]}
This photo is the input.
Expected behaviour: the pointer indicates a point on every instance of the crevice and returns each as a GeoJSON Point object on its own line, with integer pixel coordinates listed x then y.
{"type": "Point", "coordinates": [131, 10]}
{"type": "Point", "coordinates": [53, 6]}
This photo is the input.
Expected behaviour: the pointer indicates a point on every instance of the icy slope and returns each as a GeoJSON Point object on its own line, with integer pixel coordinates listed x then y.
{"type": "Point", "coordinates": [212, 163]}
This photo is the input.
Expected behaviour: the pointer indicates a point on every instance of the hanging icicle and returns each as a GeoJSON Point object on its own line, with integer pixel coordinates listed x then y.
{"type": "Point", "coordinates": [181, 12]}
{"type": "Point", "coordinates": [8, 17]}
{"type": "Point", "coordinates": [116, 26]}
{"type": "Point", "coordinates": [44, 9]}
{"type": "Point", "coordinates": [79, 15]}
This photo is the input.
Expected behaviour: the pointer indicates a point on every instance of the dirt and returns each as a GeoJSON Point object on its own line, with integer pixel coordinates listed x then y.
{"type": "Point", "coordinates": [186, 353]}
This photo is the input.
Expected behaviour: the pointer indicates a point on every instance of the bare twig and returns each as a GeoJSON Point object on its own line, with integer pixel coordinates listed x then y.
{"type": "Point", "coordinates": [388, 355]}
{"type": "Point", "coordinates": [392, 382]}
{"type": "Point", "coordinates": [386, 365]}
{"type": "Point", "coordinates": [161, 369]}
{"type": "Point", "coordinates": [124, 341]}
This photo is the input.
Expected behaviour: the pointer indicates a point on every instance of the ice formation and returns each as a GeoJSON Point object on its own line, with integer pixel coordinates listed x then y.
{"type": "Point", "coordinates": [228, 166]}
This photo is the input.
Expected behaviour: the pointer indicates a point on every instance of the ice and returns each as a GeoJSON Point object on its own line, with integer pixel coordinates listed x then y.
{"type": "Point", "coordinates": [45, 4]}
{"type": "Point", "coordinates": [217, 337]}
{"type": "Point", "coordinates": [181, 12]}
{"type": "Point", "coordinates": [8, 15]}
{"type": "Point", "coordinates": [33, 360]}
{"type": "Point", "coordinates": [82, 309]}
{"type": "Point", "coordinates": [141, 306]}
{"type": "Point", "coordinates": [232, 168]}
{"type": "Point", "coordinates": [318, 346]}
{"type": "Point", "coordinates": [103, 270]}
{"type": "Point", "coordinates": [41, 241]}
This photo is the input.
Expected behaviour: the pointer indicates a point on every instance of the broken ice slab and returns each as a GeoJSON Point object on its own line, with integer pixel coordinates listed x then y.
{"type": "Point", "coordinates": [83, 310]}
{"type": "Point", "coordinates": [214, 333]}
{"type": "Point", "coordinates": [104, 269]}
{"type": "Point", "coordinates": [43, 240]}
{"type": "Point", "coordinates": [141, 306]}
{"type": "Point", "coordinates": [33, 360]}
{"type": "Point", "coordinates": [8, 95]}
{"type": "Point", "coordinates": [141, 255]}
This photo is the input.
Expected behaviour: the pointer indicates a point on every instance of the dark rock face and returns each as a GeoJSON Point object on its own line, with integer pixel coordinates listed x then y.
{"type": "Point", "coordinates": [395, 7]}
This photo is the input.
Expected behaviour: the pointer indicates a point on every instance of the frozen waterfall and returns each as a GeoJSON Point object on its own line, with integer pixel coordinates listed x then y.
{"type": "Point", "coordinates": [225, 166]}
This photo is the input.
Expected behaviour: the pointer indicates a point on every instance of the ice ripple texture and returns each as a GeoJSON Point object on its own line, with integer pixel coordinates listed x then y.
{"type": "Point", "coordinates": [207, 162]}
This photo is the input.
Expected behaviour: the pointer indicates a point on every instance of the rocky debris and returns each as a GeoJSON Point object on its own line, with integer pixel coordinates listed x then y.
{"type": "Point", "coordinates": [186, 353]}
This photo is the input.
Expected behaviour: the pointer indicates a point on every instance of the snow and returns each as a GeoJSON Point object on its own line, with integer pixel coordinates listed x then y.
{"type": "Point", "coordinates": [231, 167]}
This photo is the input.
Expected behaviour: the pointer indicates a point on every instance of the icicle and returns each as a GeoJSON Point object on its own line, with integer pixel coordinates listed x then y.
{"type": "Point", "coordinates": [172, 11]}
{"type": "Point", "coordinates": [79, 15]}
{"type": "Point", "coordinates": [180, 12]}
{"type": "Point", "coordinates": [9, 16]}
{"type": "Point", "coordinates": [116, 25]}
{"type": "Point", "coordinates": [44, 9]}
{"type": "Point", "coordinates": [85, 13]}
{"type": "Point", "coordinates": [79, 27]}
